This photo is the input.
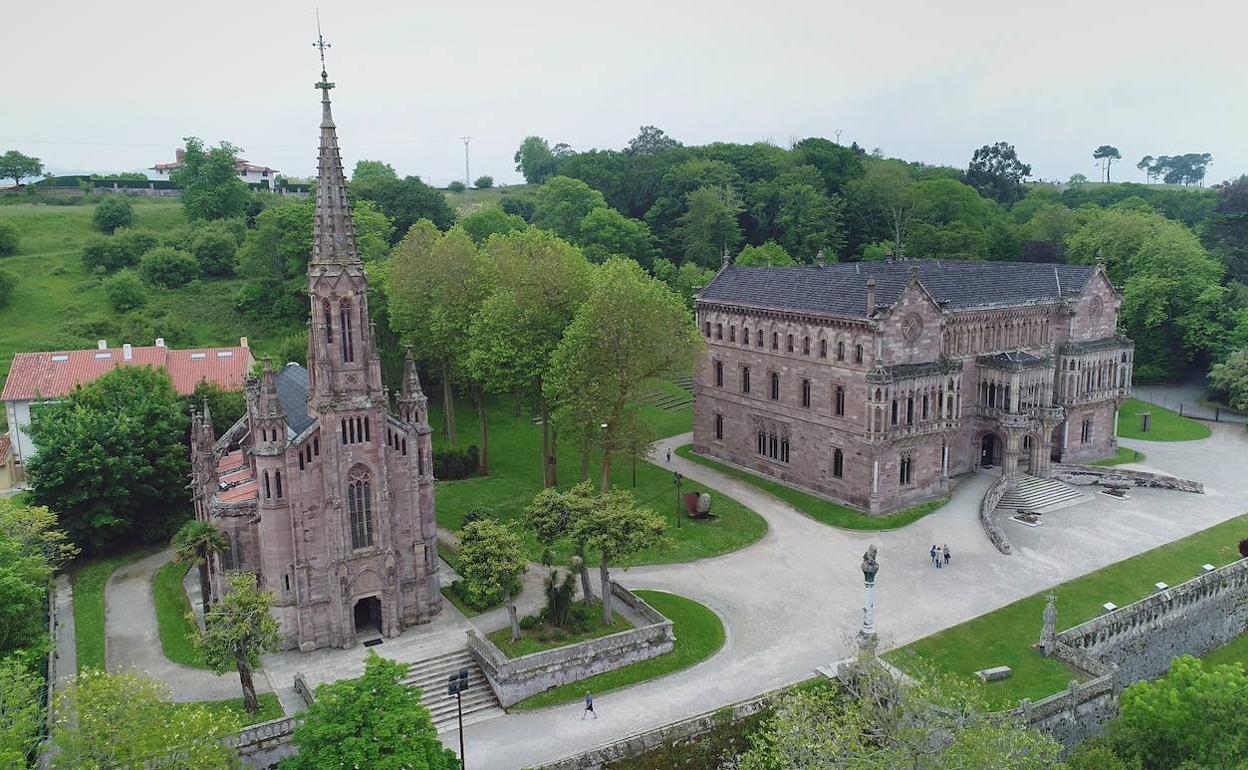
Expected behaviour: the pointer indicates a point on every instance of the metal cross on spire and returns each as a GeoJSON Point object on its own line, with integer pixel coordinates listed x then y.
{"type": "Point", "coordinates": [321, 45]}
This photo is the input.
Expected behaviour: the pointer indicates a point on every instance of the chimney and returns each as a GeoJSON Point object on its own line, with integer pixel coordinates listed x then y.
{"type": "Point", "coordinates": [101, 345]}
{"type": "Point", "coordinates": [242, 342]}
{"type": "Point", "coordinates": [126, 352]}
{"type": "Point", "coordinates": [179, 155]}
{"type": "Point", "coordinates": [160, 342]}
{"type": "Point", "coordinates": [870, 297]}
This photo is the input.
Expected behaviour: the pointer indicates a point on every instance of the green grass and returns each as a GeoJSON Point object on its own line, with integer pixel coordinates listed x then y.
{"type": "Point", "coordinates": [1004, 637]}
{"type": "Point", "coordinates": [1122, 456]}
{"type": "Point", "coordinates": [88, 579]}
{"type": "Point", "coordinates": [270, 708]}
{"type": "Point", "coordinates": [172, 608]}
{"type": "Point", "coordinates": [699, 635]}
{"type": "Point", "coordinates": [529, 643]}
{"type": "Point", "coordinates": [1234, 651]}
{"type": "Point", "coordinates": [516, 476]}
{"type": "Point", "coordinates": [817, 508]}
{"type": "Point", "coordinates": [493, 195]}
{"type": "Point", "coordinates": [1166, 425]}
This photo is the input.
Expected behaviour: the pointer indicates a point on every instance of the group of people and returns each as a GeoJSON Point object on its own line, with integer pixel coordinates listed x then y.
{"type": "Point", "coordinates": [940, 556]}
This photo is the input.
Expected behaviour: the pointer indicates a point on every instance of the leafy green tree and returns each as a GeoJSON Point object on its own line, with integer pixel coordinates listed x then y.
{"type": "Point", "coordinates": [210, 185]}
{"type": "Point", "coordinates": [491, 562]}
{"type": "Point", "coordinates": [112, 459]}
{"type": "Point", "coordinates": [1225, 233]}
{"type": "Point", "coordinates": [630, 329]}
{"type": "Point", "coordinates": [126, 720]}
{"type": "Point", "coordinates": [1145, 165]}
{"type": "Point", "coordinates": [884, 203]}
{"type": "Point", "coordinates": [770, 254]}
{"type": "Point", "coordinates": [21, 713]}
{"type": "Point", "coordinates": [1106, 154]}
{"type": "Point", "coordinates": [1229, 380]}
{"type": "Point", "coordinates": [196, 543]}
{"type": "Point", "coordinates": [535, 160]}
{"type": "Point", "coordinates": [997, 173]}
{"type": "Point", "coordinates": [32, 548]}
{"type": "Point", "coordinates": [457, 186]}
{"type": "Point", "coordinates": [224, 406]}
{"type": "Point", "coordinates": [605, 232]}
{"type": "Point", "coordinates": [651, 140]}
{"type": "Point", "coordinates": [709, 226]}
{"type": "Point", "coordinates": [123, 249]}
{"type": "Point", "coordinates": [684, 280]}
{"type": "Point", "coordinates": [809, 221]}
{"type": "Point", "coordinates": [1077, 180]}
{"type": "Point", "coordinates": [238, 630]}
{"type": "Point", "coordinates": [484, 182]}
{"type": "Point", "coordinates": [490, 220]}
{"type": "Point", "coordinates": [375, 721]}
{"type": "Point", "coordinates": [168, 268]}
{"type": "Point", "coordinates": [125, 292]}
{"type": "Point", "coordinates": [837, 165]}
{"type": "Point", "coordinates": [554, 515]}
{"type": "Point", "coordinates": [369, 170]}
{"type": "Point", "coordinates": [111, 213]}
{"type": "Point", "coordinates": [214, 249]}
{"type": "Point", "coordinates": [8, 280]}
{"type": "Point", "coordinates": [618, 528]}
{"type": "Point", "coordinates": [562, 202]}
{"type": "Point", "coordinates": [9, 239]}
{"type": "Point", "coordinates": [16, 166]}
{"type": "Point", "coordinates": [404, 201]}
{"type": "Point", "coordinates": [671, 198]}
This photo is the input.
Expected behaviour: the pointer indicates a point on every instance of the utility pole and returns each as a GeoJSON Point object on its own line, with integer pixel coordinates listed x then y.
{"type": "Point", "coordinates": [838, 135]}
{"type": "Point", "coordinates": [467, 180]}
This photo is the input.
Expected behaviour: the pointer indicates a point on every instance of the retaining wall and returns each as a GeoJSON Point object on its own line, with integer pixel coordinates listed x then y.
{"type": "Point", "coordinates": [264, 745]}
{"type": "Point", "coordinates": [996, 490]}
{"type": "Point", "coordinates": [514, 679]}
{"type": "Point", "coordinates": [1070, 474]}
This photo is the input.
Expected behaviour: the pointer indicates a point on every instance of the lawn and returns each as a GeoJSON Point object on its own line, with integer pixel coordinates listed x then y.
{"type": "Point", "coordinates": [270, 708]}
{"type": "Point", "coordinates": [1004, 636]}
{"type": "Point", "coordinates": [492, 195]}
{"type": "Point", "coordinates": [1166, 425]}
{"type": "Point", "coordinates": [172, 608]}
{"type": "Point", "coordinates": [516, 476]}
{"type": "Point", "coordinates": [1122, 456]}
{"type": "Point", "coordinates": [88, 579]}
{"type": "Point", "coordinates": [817, 508]}
{"type": "Point", "coordinates": [699, 635]}
{"type": "Point", "coordinates": [529, 642]}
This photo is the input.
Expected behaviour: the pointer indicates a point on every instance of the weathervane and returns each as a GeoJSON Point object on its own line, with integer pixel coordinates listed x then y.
{"type": "Point", "coordinates": [322, 45]}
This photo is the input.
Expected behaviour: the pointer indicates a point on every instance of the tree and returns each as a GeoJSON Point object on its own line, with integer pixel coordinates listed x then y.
{"type": "Point", "coordinates": [618, 528]}
{"type": "Point", "coordinates": [404, 201]}
{"type": "Point", "coordinates": [21, 713]}
{"type": "Point", "coordinates": [650, 140]}
{"type": "Point", "coordinates": [111, 213]}
{"type": "Point", "coordinates": [770, 254]}
{"type": "Point", "coordinates": [709, 227]}
{"type": "Point", "coordinates": [490, 220]}
{"type": "Point", "coordinates": [684, 280]}
{"type": "Point", "coordinates": [370, 170]}
{"type": "Point", "coordinates": [1225, 233]}
{"type": "Point", "coordinates": [374, 721]}
{"type": "Point", "coordinates": [554, 515]}
{"type": "Point", "coordinates": [889, 199]}
{"type": "Point", "coordinates": [16, 166]}
{"type": "Point", "coordinates": [210, 185]}
{"type": "Point", "coordinates": [127, 720]}
{"type": "Point", "coordinates": [671, 196]}
{"type": "Point", "coordinates": [112, 458]}
{"type": "Point", "coordinates": [562, 202]}
{"type": "Point", "coordinates": [491, 562]}
{"type": "Point", "coordinates": [125, 292]}
{"type": "Point", "coordinates": [1077, 179]}
{"type": "Point", "coordinates": [456, 186]}
{"type": "Point", "coordinates": [168, 268]}
{"type": "Point", "coordinates": [535, 160]}
{"type": "Point", "coordinates": [32, 548]}
{"type": "Point", "coordinates": [224, 406]}
{"type": "Point", "coordinates": [1229, 380]}
{"type": "Point", "coordinates": [484, 182]}
{"type": "Point", "coordinates": [9, 239]}
{"type": "Point", "coordinates": [630, 329]}
{"type": "Point", "coordinates": [1146, 165]}
{"type": "Point", "coordinates": [1106, 154]}
{"type": "Point", "coordinates": [214, 248]}
{"type": "Point", "coordinates": [605, 232]}
{"type": "Point", "coordinates": [809, 221]}
{"type": "Point", "coordinates": [837, 165]}
{"type": "Point", "coordinates": [542, 282]}
{"type": "Point", "coordinates": [7, 281]}
{"type": "Point", "coordinates": [196, 543]}
{"type": "Point", "coordinates": [238, 630]}
{"type": "Point", "coordinates": [997, 173]}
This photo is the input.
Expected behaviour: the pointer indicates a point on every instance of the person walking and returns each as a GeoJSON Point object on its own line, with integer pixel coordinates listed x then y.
{"type": "Point", "coordinates": [589, 705]}
{"type": "Point", "coordinates": [932, 554]}
{"type": "Point", "coordinates": [669, 456]}
{"type": "Point", "coordinates": [946, 553]}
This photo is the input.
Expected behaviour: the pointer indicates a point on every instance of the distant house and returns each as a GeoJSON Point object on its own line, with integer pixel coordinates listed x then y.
{"type": "Point", "coordinates": [43, 377]}
{"type": "Point", "coordinates": [247, 171]}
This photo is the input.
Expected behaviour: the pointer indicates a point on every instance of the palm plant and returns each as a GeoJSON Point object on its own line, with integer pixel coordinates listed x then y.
{"type": "Point", "coordinates": [195, 543]}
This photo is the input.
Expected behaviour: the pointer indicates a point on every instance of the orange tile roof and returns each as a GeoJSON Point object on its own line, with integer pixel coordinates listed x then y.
{"type": "Point", "coordinates": [5, 440]}
{"type": "Point", "coordinates": [245, 491]}
{"type": "Point", "coordinates": [54, 374]}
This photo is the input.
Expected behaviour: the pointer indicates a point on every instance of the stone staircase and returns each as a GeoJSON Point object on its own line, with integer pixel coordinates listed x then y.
{"type": "Point", "coordinates": [1033, 493]}
{"type": "Point", "coordinates": [671, 402]}
{"type": "Point", "coordinates": [430, 676]}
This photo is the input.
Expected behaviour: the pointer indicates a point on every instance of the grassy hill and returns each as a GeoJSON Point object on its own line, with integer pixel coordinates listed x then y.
{"type": "Point", "coordinates": [460, 200]}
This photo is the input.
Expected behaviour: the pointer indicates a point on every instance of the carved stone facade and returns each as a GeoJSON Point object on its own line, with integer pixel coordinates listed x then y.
{"type": "Point", "coordinates": [873, 383]}
{"type": "Point", "coordinates": [323, 493]}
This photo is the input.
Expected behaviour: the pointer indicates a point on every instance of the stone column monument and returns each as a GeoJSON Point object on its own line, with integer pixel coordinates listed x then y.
{"type": "Point", "coordinates": [1048, 634]}
{"type": "Point", "coordinates": [867, 639]}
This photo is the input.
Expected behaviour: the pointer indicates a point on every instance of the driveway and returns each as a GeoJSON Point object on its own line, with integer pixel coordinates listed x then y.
{"type": "Point", "coordinates": [792, 601]}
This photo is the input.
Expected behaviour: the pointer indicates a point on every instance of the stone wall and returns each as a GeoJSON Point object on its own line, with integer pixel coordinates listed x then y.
{"type": "Point", "coordinates": [1075, 714]}
{"type": "Point", "coordinates": [987, 506]}
{"type": "Point", "coordinates": [264, 745]}
{"type": "Point", "coordinates": [514, 679]}
{"type": "Point", "coordinates": [1081, 475]}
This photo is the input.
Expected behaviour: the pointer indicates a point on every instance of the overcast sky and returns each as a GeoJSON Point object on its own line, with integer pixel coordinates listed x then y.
{"type": "Point", "coordinates": [114, 86]}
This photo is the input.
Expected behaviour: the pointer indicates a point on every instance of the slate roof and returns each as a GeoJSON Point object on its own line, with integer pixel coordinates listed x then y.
{"type": "Point", "coordinates": [841, 289]}
{"type": "Point", "coordinates": [1013, 361]}
{"type": "Point", "coordinates": [292, 391]}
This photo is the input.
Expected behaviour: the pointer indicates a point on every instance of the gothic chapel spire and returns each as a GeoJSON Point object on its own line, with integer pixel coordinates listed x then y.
{"type": "Point", "coordinates": [333, 231]}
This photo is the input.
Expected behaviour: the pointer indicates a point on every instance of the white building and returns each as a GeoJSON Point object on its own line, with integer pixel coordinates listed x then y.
{"type": "Point", "coordinates": [247, 171]}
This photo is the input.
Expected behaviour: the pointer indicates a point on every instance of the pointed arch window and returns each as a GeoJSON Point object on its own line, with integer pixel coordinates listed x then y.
{"type": "Point", "coordinates": [360, 507]}
{"type": "Point", "coordinates": [344, 324]}
{"type": "Point", "coordinates": [329, 321]}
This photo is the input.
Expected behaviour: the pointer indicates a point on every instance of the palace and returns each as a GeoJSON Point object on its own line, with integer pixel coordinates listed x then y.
{"type": "Point", "coordinates": [873, 383]}
{"type": "Point", "coordinates": [323, 493]}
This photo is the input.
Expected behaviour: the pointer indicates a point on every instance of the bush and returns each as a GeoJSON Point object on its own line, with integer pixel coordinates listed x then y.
{"type": "Point", "coordinates": [123, 249]}
{"type": "Point", "coordinates": [7, 282]}
{"type": "Point", "coordinates": [456, 187]}
{"type": "Point", "coordinates": [168, 267]}
{"type": "Point", "coordinates": [112, 213]}
{"type": "Point", "coordinates": [484, 182]}
{"type": "Point", "coordinates": [1243, 548]}
{"type": "Point", "coordinates": [521, 206]}
{"type": "Point", "coordinates": [125, 291]}
{"type": "Point", "coordinates": [136, 243]}
{"type": "Point", "coordinates": [8, 239]}
{"type": "Point", "coordinates": [214, 251]}
{"type": "Point", "coordinates": [452, 464]}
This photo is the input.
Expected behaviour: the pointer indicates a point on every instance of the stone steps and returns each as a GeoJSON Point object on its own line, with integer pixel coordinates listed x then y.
{"type": "Point", "coordinates": [430, 677]}
{"type": "Point", "coordinates": [1033, 493]}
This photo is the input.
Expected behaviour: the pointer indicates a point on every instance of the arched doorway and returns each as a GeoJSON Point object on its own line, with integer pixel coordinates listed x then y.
{"type": "Point", "coordinates": [1029, 460]}
{"type": "Point", "coordinates": [367, 618]}
{"type": "Point", "coordinates": [988, 450]}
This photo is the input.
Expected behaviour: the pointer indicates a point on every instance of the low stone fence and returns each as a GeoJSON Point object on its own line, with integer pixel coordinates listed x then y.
{"type": "Point", "coordinates": [1083, 475]}
{"type": "Point", "coordinates": [264, 745]}
{"type": "Point", "coordinates": [305, 692]}
{"type": "Point", "coordinates": [514, 679]}
{"type": "Point", "coordinates": [987, 506]}
{"type": "Point", "coordinates": [1074, 714]}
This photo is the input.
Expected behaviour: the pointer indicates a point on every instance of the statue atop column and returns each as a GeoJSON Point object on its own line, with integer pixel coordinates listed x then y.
{"type": "Point", "coordinates": [1048, 634]}
{"type": "Point", "coordinates": [867, 639]}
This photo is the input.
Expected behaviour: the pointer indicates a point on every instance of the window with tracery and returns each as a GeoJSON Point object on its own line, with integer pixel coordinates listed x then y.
{"type": "Point", "coordinates": [360, 507]}
{"type": "Point", "coordinates": [344, 323]}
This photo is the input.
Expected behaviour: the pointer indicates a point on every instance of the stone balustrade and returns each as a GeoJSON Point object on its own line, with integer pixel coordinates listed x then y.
{"type": "Point", "coordinates": [1082, 475]}
{"type": "Point", "coordinates": [987, 507]}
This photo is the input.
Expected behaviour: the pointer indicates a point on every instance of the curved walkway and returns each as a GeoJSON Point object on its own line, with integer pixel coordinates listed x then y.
{"type": "Point", "coordinates": [132, 637]}
{"type": "Point", "coordinates": [792, 601]}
